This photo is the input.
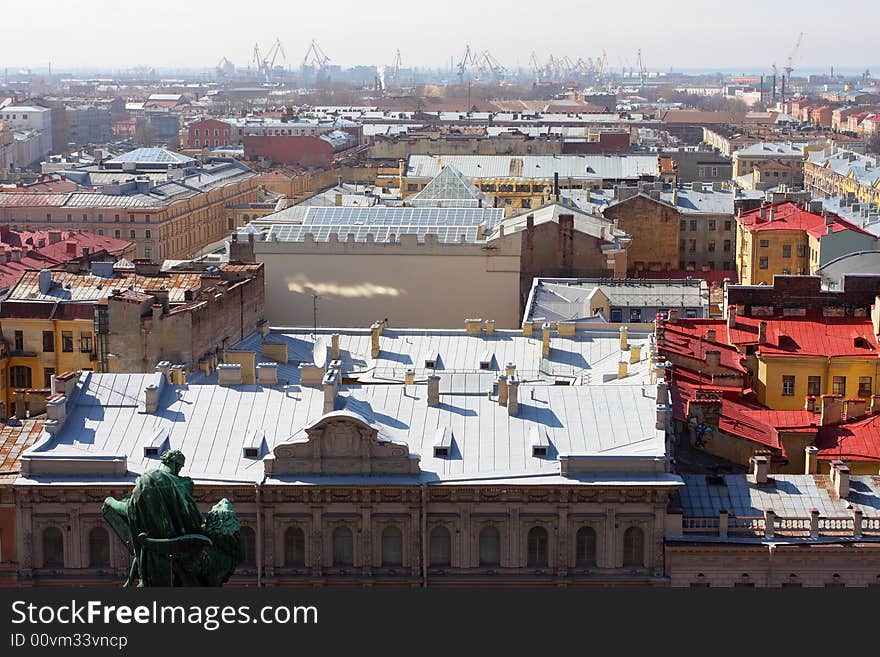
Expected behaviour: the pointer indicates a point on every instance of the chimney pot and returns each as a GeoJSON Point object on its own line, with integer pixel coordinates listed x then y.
{"type": "Point", "coordinates": [433, 390]}
{"type": "Point", "coordinates": [513, 396]}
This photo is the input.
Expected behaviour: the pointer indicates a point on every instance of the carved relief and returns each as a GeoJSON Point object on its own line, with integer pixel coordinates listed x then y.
{"type": "Point", "coordinates": [341, 444]}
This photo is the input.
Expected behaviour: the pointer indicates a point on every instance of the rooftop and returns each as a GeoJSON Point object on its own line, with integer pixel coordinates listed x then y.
{"type": "Point", "coordinates": [590, 356]}
{"type": "Point", "coordinates": [106, 420]}
{"type": "Point", "coordinates": [793, 217]}
{"type": "Point", "coordinates": [537, 167]}
{"type": "Point", "coordinates": [569, 299]}
{"type": "Point", "coordinates": [449, 188]}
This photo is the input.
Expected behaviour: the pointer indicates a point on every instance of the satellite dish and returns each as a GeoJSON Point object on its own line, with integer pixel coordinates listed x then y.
{"type": "Point", "coordinates": [321, 352]}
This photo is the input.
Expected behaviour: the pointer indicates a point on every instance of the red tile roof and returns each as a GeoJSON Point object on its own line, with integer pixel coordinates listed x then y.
{"type": "Point", "coordinates": [790, 216]}
{"type": "Point", "coordinates": [688, 338]}
{"type": "Point", "coordinates": [811, 335]}
{"type": "Point", "coordinates": [854, 440]}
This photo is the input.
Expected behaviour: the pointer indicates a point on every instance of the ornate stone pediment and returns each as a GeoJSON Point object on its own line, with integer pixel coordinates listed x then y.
{"type": "Point", "coordinates": [341, 443]}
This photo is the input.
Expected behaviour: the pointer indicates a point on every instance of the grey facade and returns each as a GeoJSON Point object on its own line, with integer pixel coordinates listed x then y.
{"type": "Point", "coordinates": [701, 164]}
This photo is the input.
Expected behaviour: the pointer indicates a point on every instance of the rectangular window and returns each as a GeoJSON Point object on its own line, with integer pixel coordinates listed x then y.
{"type": "Point", "coordinates": [763, 263]}
{"type": "Point", "coordinates": [100, 217]}
{"type": "Point", "coordinates": [711, 223]}
{"type": "Point", "coordinates": [48, 373]}
{"type": "Point", "coordinates": [681, 245]}
{"type": "Point", "coordinates": [727, 246]}
{"type": "Point", "coordinates": [66, 340]}
{"type": "Point", "coordinates": [48, 217]}
{"type": "Point", "coordinates": [814, 385]}
{"type": "Point", "coordinates": [148, 253]}
{"type": "Point", "coordinates": [728, 265]}
{"type": "Point", "coordinates": [764, 243]}
{"type": "Point", "coordinates": [714, 172]}
{"type": "Point", "coordinates": [838, 385]}
{"type": "Point", "coordinates": [802, 250]}
{"type": "Point", "coordinates": [635, 314]}
{"type": "Point", "coordinates": [101, 232]}
{"type": "Point", "coordinates": [616, 315]}
{"type": "Point", "coordinates": [693, 224]}
{"type": "Point", "coordinates": [701, 172]}
{"type": "Point", "coordinates": [85, 342]}
{"type": "Point", "coordinates": [19, 341]}
{"type": "Point", "coordinates": [148, 234]}
{"type": "Point", "coordinates": [132, 235]}
{"type": "Point", "coordinates": [692, 246]}
{"type": "Point", "coordinates": [728, 225]}
{"type": "Point", "coordinates": [711, 246]}
{"type": "Point", "coordinates": [683, 225]}
{"type": "Point", "coordinates": [866, 388]}
{"type": "Point", "coordinates": [786, 250]}
{"type": "Point", "coordinates": [48, 341]}
{"type": "Point", "coordinates": [787, 385]}
{"type": "Point", "coordinates": [116, 217]}
{"type": "Point", "coordinates": [117, 234]}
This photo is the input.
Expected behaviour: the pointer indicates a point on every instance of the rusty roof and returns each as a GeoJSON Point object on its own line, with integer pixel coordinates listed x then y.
{"type": "Point", "coordinates": [68, 286]}
{"type": "Point", "coordinates": [15, 437]}
{"type": "Point", "coordinates": [31, 199]}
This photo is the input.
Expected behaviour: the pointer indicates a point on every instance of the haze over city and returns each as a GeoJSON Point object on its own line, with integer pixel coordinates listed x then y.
{"type": "Point", "coordinates": [685, 35]}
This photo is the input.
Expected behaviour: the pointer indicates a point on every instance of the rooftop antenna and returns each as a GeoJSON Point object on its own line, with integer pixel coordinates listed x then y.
{"type": "Point", "coordinates": [315, 316]}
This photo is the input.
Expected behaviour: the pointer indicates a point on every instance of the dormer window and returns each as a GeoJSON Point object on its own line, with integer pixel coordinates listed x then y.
{"type": "Point", "coordinates": [443, 442]}
{"type": "Point", "coordinates": [862, 343]}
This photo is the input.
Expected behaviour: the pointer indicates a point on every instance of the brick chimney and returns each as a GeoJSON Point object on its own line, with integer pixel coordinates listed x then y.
{"type": "Point", "coordinates": [330, 384]}
{"type": "Point", "coordinates": [762, 332]}
{"type": "Point", "coordinates": [673, 316]}
{"type": "Point", "coordinates": [731, 317]}
{"type": "Point", "coordinates": [811, 459]}
{"type": "Point", "coordinates": [831, 409]}
{"type": "Point", "coordinates": [624, 337]}
{"type": "Point", "coordinates": [502, 390]}
{"type": "Point", "coordinates": [513, 396]}
{"type": "Point", "coordinates": [840, 479]}
{"type": "Point", "coordinates": [855, 408]}
{"type": "Point", "coordinates": [760, 463]}
{"type": "Point", "coordinates": [710, 335]}
{"type": "Point", "coordinates": [545, 339]}
{"type": "Point", "coordinates": [433, 390]}
{"type": "Point", "coordinates": [875, 403]}
{"type": "Point", "coordinates": [375, 331]}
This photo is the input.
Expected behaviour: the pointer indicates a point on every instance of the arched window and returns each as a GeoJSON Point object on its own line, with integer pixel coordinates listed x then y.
{"type": "Point", "coordinates": [19, 376]}
{"type": "Point", "coordinates": [441, 547]}
{"type": "Point", "coordinates": [99, 547]}
{"type": "Point", "coordinates": [490, 547]}
{"type": "Point", "coordinates": [294, 547]}
{"type": "Point", "coordinates": [343, 547]}
{"type": "Point", "coordinates": [248, 540]}
{"type": "Point", "coordinates": [392, 547]}
{"type": "Point", "coordinates": [634, 547]}
{"type": "Point", "coordinates": [537, 547]}
{"type": "Point", "coordinates": [585, 547]}
{"type": "Point", "coordinates": [53, 548]}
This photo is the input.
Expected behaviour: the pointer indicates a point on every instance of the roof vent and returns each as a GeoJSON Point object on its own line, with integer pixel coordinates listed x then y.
{"type": "Point", "coordinates": [540, 441]}
{"type": "Point", "coordinates": [254, 444]}
{"type": "Point", "coordinates": [156, 444]}
{"type": "Point", "coordinates": [443, 442]}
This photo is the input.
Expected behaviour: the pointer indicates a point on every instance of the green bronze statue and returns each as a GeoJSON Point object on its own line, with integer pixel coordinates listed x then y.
{"type": "Point", "coordinates": [169, 541]}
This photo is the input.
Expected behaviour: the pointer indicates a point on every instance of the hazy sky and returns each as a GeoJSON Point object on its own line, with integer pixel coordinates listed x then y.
{"type": "Point", "coordinates": [742, 34]}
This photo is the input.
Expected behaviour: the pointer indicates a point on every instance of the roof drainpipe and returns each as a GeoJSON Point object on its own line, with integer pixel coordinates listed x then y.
{"type": "Point", "coordinates": [556, 185]}
{"type": "Point", "coordinates": [258, 490]}
{"type": "Point", "coordinates": [424, 519]}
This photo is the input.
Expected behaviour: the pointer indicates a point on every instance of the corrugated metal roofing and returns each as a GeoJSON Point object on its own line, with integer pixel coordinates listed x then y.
{"type": "Point", "coordinates": [69, 286]}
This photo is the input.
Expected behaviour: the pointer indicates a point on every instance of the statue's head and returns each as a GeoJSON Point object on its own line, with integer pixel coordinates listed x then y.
{"type": "Point", "coordinates": [174, 460]}
{"type": "Point", "coordinates": [222, 519]}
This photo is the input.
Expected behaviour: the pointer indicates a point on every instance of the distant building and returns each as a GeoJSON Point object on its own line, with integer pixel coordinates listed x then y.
{"type": "Point", "coordinates": [787, 238]}
{"type": "Point", "coordinates": [745, 159]}
{"type": "Point", "coordinates": [166, 203]}
{"type": "Point", "coordinates": [628, 301]}
{"type": "Point", "coordinates": [428, 267]}
{"type": "Point", "coordinates": [29, 118]}
{"type": "Point", "coordinates": [117, 318]}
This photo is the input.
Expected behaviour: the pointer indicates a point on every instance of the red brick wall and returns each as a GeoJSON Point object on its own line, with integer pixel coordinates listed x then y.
{"type": "Point", "coordinates": [224, 139]}
{"type": "Point", "coordinates": [302, 151]}
{"type": "Point", "coordinates": [654, 228]}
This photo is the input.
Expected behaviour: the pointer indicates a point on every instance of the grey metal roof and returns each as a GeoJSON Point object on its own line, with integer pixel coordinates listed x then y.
{"type": "Point", "coordinates": [788, 495]}
{"type": "Point", "coordinates": [590, 356]}
{"type": "Point", "coordinates": [579, 167]}
{"type": "Point", "coordinates": [772, 150]}
{"type": "Point", "coordinates": [569, 299]}
{"type": "Point", "coordinates": [211, 423]}
{"type": "Point", "coordinates": [584, 222]}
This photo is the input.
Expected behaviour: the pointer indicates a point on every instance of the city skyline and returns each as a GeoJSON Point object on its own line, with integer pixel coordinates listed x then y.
{"type": "Point", "coordinates": [749, 42]}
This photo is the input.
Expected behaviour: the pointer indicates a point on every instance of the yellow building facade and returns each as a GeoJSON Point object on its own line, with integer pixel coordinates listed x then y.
{"type": "Point", "coordinates": [38, 348]}
{"type": "Point", "coordinates": [783, 383]}
{"type": "Point", "coordinates": [761, 254]}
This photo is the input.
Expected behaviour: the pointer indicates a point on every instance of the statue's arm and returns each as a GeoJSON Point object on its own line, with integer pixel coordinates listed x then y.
{"type": "Point", "coordinates": [119, 506]}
